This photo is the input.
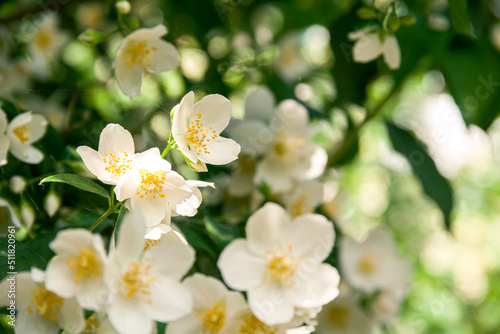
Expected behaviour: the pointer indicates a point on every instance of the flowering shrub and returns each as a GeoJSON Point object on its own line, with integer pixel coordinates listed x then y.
{"type": "Point", "coordinates": [249, 167]}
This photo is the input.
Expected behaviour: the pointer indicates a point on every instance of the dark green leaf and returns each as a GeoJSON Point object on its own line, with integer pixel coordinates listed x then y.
{"type": "Point", "coordinates": [77, 181]}
{"type": "Point", "coordinates": [223, 231]}
{"type": "Point", "coordinates": [434, 184]}
{"type": "Point", "coordinates": [460, 17]}
{"type": "Point", "coordinates": [23, 261]}
{"type": "Point", "coordinates": [92, 36]}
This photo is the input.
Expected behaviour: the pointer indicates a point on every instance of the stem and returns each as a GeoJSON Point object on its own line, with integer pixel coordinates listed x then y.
{"type": "Point", "coordinates": [105, 214]}
{"type": "Point", "coordinates": [169, 146]}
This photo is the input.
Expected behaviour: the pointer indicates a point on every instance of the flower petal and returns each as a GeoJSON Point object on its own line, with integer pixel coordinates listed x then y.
{"type": "Point", "coordinates": [59, 278]}
{"type": "Point", "coordinates": [164, 58]}
{"type": "Point", "coordinates": [69, 242]}
{"type": "Point", "coordinates": [71, 317]}
{"type": "Point", "coordinates": [37, 128]}
{"type": "Point", "coordinates": [129, 317]}
{"type": "Point", "coordinates": [221, 151]}
{"type": "Point", "coordinates": [115, 139]}
{"type": "Point", "coordinates": [367, 48]}
{"type": "Point", "coordinates": [169, 301]}
{"type": "Point", "coordinates": [215, 112]}
{"type": "Point", "coordinates": [179, 125]}
{"type": "Point", "coordinates": [268, 304]}
{"type": "Point", "coordinates": [207, 291]}
{"type": "Point", "coordinates": [259, 104]}
{"type": "Point", "coordinates": [266, 227]}
{"type": "Point", "coordinates": [240, 269]}
{"type": "Point", "coordinates": [129, 78]}
{"type": "Point", "coordinates": [311, 235]}
{"type": "Point", "coordinates": [189, 324]}
{"type": "Point", "coordinates": [392, 52]}
{"type": "Point", "coordinates": [131, 238]}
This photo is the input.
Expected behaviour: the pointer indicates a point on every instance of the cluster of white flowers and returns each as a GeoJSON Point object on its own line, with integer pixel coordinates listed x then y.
{"type": "Point", "coordinates": [19, 135]}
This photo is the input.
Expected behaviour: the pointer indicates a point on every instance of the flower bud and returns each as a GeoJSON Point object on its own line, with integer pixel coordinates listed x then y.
{"type": "Point", "coordinates": [123, 7]}
{"type": "Point", "coordinates": [52, 203]}
{"type": "Point", "coordinates": [17, 184]}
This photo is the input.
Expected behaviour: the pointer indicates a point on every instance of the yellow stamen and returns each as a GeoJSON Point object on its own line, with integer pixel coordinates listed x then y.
{"type": "Point", "coordinates": [91, 324]}
{"type": "Point", "coordinates": [367, 264]}
{"type": "Point", "coordinates": [337, 316]}
{"type": "Point", "coordinates": [117, 165]}
{"type": "Point", "coordinates": [22, 132]}
{"type": "Point", "coordinates": [43, 40]}
{"type": "Point", "coordinates": [197, 136]}
{"type": "Point", "coordinates": [45, 303]}
{"type": "Point", "coordinates": [213, 318]}
{"type": "Point", "coordinates": [151, 184]}
{"type": "Point", "coordinates": [281, 267]}
{"type": "Point", "coordinates": [252, 325]}
{"type": "Point", "coordinates": [85, 265]}
{"type": "Point", "coordinates": [136, 281]}
{"type": "Point", "coordinates": [300, 207]}
{"type": "Point", "coordinates": [140, 54]}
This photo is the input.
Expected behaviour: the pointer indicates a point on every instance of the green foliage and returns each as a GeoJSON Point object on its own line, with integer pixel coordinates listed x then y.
{"type": "Point", "coordinates": [77, 181]}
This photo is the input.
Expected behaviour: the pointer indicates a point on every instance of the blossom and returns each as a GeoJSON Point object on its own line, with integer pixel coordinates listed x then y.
{"type": "Point", "coordinates": [10, 217]}
{"type": "Point", "coordinates": [372, 264]}
{"type": "Point", "coordinates": [114, 157]}
{"type": "Point", "coordinates": [157, 190]}
{"type": "Point", "coordinates": [143, 50]}
{"type": "Point", "coordinates": [306, 196]}
{"type": "Point", "coordinates": [24, 130]}
{"type": "Point", "coordinates": [143, 282]}
{"type": "Point", "coordinates": [78, 266]}
{"type": "Point", "coordinates": [17, 184]}
{"type": "Point", "coordinates": [213, 305]}
{"type": "Point", "coordinates": [196, 128]}
{"type": "Point", "coordinates": [4, 140]}
{"type": "Point", "coordinates": [370, 44]}
{"type": "Point", "coordinates": [38, 309]}
{"type": "Point", "coordinates": [344, 315]}
{"type": "Point", "coordinates": [279, 265]}
{"type": "Point", "coordinates": [291, 64]}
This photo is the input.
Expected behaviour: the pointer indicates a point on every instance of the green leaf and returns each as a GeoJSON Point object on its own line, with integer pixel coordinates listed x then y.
{"type": "Point", "coordinates": [121, 215]}
{"type": "Point", "coordinates": [24, 258]}
{"type": "Point", "coordinates": [434, 184]}
{"type": "Point", "coordinates": [92, 36]}
{"type": "Point", "coordinates": [460, 17]}
{"type": "Point", "coordinates": [222, 231]}
{"type": "Point", "coordinates": [77, 181]}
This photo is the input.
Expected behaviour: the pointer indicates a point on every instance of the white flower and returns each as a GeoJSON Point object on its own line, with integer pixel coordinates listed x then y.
{"type": "Point", "coordinates": [385, 307]}
{"type": "Point", "coordinates": [290, 64]}
{"type": "Point", "coordinates": [24, 130]}
{"type": "Point", "coordinates": [77, 268]}
{"type": "Point", "coordinates": [47, 39]}
{"type": "Point", "coordinates": [244, 321]}
{"type": "Point", "coordinates": [373, 264]}
{"type": "Point", "coordinates": [196, 128]}
{"type": "Point", "coordinates": [114, 157]}
{"type": "Point", "coordinates": [370, 45]}
{"type": "Point", "coordinates": [214, 304]}
{"type": "Point", "coordinates": [4, 140]}
{"type": "Point", "coordinates": [143, 50]}
{"type": "Point", "coordinates": [157, 190]}
{"type": "Point", "coordinates": [344, 315]}
{"type": "Point", "coordinates": [123, 7]}
{"type": "Point", "coordinates": [27, 215]}
{"type": "Point", "coordinates": [280, 264]}
{"type": "Point", "coordinates": [17, 184]}
{"type": "Point", "coordinates": [306, 196]}
{"type": "Point", "coordinates": [52, 203]}
{"type": "Point", "coordinates": [144, 284]}
{"type": "Point", "coordinates": [39, 310]}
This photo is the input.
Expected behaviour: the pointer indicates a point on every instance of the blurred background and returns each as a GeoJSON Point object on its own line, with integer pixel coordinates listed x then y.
{"type": "Point", "coordinates": [413, 148]}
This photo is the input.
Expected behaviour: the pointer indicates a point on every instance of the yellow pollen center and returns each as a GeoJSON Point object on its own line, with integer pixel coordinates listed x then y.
{"type": "Point", "coordinates": [117, 165]}
{"type": "Point", "coordinates": [151, 183]}
{"type": "Point", "coordinates": [151, 242]}
{"type": "Point", "coordinates": [213, 318]}
{"type": "Point", "coordinates": [43, 40]}
{"type": "Point", "coordinates": [91, 324]}
{"type": "Point", "coordinates": [300, 207]}
{"type": "Point", "coordinates": [45, 303]}
{"type": "Point", "coordinates": [252, 325]}
{"type": "Point", "coordinates": [281, 267]}
{"type": "Point", "coordinates": [367, 264]}
{"type": "Point", "coordinates": [197, 135]}
{"type": "Point", "coordinates": [139, 54]}
{"type": "Point", "coordinates": [85, 265]}
{"type": "Point", "coordinates": [22, 132]}
{"type": "Point", "coordinates": [136, 281]}
{"type": "Point", "coordinates": [337, 316]}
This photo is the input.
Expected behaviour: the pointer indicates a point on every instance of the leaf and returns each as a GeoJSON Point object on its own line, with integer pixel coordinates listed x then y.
{"type": "Point", "coordinates": [434, 184]}
{"type": "Point", "coordinates": [92, 36]}
{"type": "Point", "coordinates": [223, 231]}
{"type": "Point", "coordinates": [460, 17]}
{"type": "Point", "coordinates": [24, 258]}
{"type": "Point", "coordinates": [121, 215]}
{"type": "Point", "coordinates": [77, 181]}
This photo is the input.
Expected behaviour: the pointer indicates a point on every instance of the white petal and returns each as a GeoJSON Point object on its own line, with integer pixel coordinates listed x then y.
{"type": "Point", "coordinates": [266, 227]}
{"type": "Point", "coordinates": [129, 79]}
{"type": "Point", "coordinates": [179, 125]}
{"type": "Point", "coordinates": [222, 151]}
{"type": "Point", "coordinates": [311, 235]}
{"type": "Point", "coordinates": [180, 257]}
{"type": "Point", "coordinates": [4, 147]}
{"type": "Point", "coordinates": [92, 294]}
{"type": "Point", "coordinates": [275, 175]}
{"type": "Point", "coordinates": [3, 121]}
{"type": "Point", "coordinates": [127, 186]}
{"type": "Point", "coordinates": [312, 164]}
{"type": "Point", "coordinates": [153, 210]}
{"type": "Point", "coordinates": [164, 58]}
{"type": "Point", "coordinates": [37, 127]}
{"type": "Point", "coordinates": [215, 112]}
{"type": "Point", "coordinates": [19, 120]}
{"type": "Point", "coordinates": [290, 116]}
{"type": "Point", "coordinates": [320, 288]}
{"type": "Point", "coordinates": [34, 323]}
{"type": "Point", "coordinates": [207, 291]}
{"type": "Point", "coordinates": [269, 305]}
{"type": "Point", "coordinates": [259, 104]}
{"type": "Point", "coordinates": [148, 33]}
{"type": "Point", "coordinates": [367, 48]}
{"type": "Point", "coordinates": [130, 238]}
{"type": "Point", "coordinates": [169, 301]}
{"type": "Point", "coordinates": [114, 138]}
{"type": "Point", "coordinates": [69, 242]}
{"type": "Point", "coordinates": [129, 317]}
{"type": "Point", "coordinates": [60, 278]}
{"type": "Point", "coordinates": [27, 153]}
{"type": "Point", "coordinates": [392, 52]}
{"type": "Point", "coordinates": [71, 317]}
{"type": "Point", "coordinates": [189, 324]}
{"type": "Point", "coordinates": [240, 269]}
{"type": "Point", "coordinates": [253, 135]}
